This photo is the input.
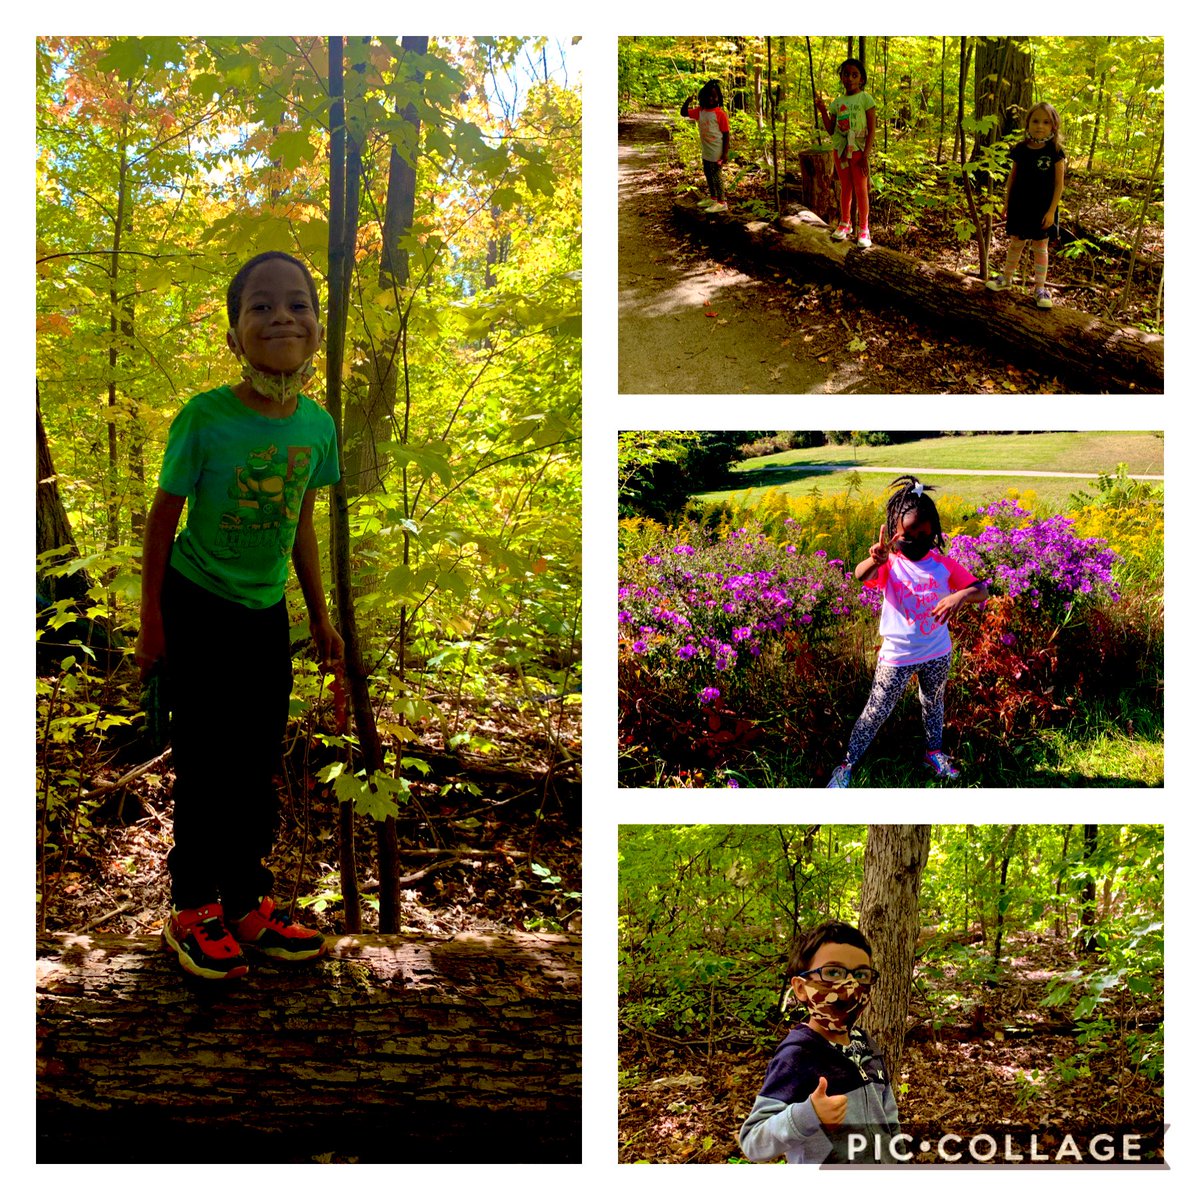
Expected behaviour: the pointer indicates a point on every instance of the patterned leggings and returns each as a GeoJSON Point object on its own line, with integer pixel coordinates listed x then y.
{"type": "Point", "coordinates": [888, 687]}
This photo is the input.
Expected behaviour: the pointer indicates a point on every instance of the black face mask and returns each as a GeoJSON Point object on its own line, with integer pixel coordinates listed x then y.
{"type": "Point", "coordinates": [915, 548]}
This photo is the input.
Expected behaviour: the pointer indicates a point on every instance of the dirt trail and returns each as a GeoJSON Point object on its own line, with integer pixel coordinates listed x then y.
{"type": "Point", "coordinates": [666, 289]}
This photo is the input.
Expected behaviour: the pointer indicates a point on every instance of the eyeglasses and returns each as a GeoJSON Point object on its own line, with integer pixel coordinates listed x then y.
{"type": "Point", "coordinates": [864, 975]}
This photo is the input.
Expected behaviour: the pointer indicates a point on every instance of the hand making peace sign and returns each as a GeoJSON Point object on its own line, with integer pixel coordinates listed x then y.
{"type": "Point", "coordinates": [879, 552]}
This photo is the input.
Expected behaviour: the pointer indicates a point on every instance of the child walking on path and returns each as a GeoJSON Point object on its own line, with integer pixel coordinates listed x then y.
{"type": "Point", "coordinates": [1034, 188]}
{"type": "Point", "coordinates": [922, 589]}
{"type": "Point", "coordinates": [713, 125]}
{"type": "Point", "coordinates": [826, 1097]}
{"type": "Point", "coordinates": [248, 459]}
{"type": "Point", "coordinates": [852, 124]}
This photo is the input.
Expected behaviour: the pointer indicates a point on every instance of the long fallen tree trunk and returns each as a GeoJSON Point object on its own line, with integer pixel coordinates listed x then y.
{"type": "Point", "coordinates": [1084, 349]}
{"type": "Point", "coordinates": [390, 1049]}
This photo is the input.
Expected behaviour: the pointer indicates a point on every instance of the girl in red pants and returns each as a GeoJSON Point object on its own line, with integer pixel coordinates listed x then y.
{"type": "Point", "coordinates": [852, 124]}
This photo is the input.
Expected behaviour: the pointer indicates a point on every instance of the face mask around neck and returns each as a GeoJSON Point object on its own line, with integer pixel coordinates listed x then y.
{"type": "Point", "coordinates": [279, 389]}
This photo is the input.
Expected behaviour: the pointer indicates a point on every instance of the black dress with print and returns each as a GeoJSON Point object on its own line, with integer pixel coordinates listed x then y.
{"type": "Point", "coordinates": [1032, 191]}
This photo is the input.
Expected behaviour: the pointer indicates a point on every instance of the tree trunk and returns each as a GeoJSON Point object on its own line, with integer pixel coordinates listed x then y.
{"type": "Point", "coordinates": [368, 423]}
{"type": "Point", "coordinates": [1003, 87]}
{"type": "Point", "coordinates": [389, 1049]}
{"type": "Point", "coordinates": [942, 121]}
{"type": "Point", "coordinates": [774, 142]}
{"type": "Point", "coordinates": [53, 525]}
{"type": "Point", "coordinates": [1079, 347]}
{"type": "Point", "coordinates": [339, 512]}
{"type": "Point", "coordinates": [1002, 900]}
{"type": "Point", "coordinates": [888, 918]}
{"type": "Point", "coordinates": [1087, 899]}
{"type": "Point", "coordinates": [816, 183]}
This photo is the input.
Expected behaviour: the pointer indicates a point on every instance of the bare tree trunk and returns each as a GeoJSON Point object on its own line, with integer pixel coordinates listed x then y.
{"type": "Point", "coordinates": [369, 422]}
{"type": "Point", "coordinates": [889, 918]}
{"type": "Point", "coordinates": [1087, 901]}
{"type": "Point", "coordinates": [942, 125]}
{"type": "Point", "coordinates": [774, 144]}
{"type": "Point", "coordinates": [53, 525]}
{"type": "Point", "coordinates": [1003, 86]}
{"type": "Point", "coordinates": [1123, 299]}
{"type": "Point", "coordinates": [339, 514]}
{"type": "Point", "coordinates": [120, 320]}
{"type": "Point", "coordinates": [783, 96]}
{"type": "Point", "coordinates": [1002, 899]}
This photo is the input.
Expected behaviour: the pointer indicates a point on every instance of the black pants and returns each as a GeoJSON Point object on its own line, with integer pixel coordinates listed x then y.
{"type": "Point", "coordinates": [712, 176]}
{"type": "Point", "coordinates": [229, 674]}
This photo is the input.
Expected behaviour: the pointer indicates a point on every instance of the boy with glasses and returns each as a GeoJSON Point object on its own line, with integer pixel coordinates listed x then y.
{"type": "Point", "coordinates": [827, 1079]}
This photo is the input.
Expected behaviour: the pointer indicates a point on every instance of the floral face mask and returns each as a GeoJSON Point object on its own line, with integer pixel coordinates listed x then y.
{"type": "Point", "coordinates": [836, 1005]}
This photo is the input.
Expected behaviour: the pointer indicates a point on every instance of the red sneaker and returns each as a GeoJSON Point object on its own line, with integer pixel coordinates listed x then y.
{"type": "Point", "coordinates": [274, 935]}
{"type": "Point", "coordinates": [204, 946]}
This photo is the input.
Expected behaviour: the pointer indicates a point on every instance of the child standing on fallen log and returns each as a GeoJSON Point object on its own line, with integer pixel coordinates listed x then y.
{"type": "Point", "coordinates": [852, 124]}
{"type": "Point", "coordinates": [922, 589]}
{"type": "Point", "coordinates": [248, 458]}
{"type": "Point", "coordinates": [713, 125]}
{"type": "Point", "coordinates": [1031, 196]}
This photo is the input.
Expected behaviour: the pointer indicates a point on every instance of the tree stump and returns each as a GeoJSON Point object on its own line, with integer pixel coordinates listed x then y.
{"type": "Point", "coordinates": [1076, 346]}
{"type": "Point", "coordinates": [390, 1049]}
{"type": "Point", "coordinates": [816, 183]}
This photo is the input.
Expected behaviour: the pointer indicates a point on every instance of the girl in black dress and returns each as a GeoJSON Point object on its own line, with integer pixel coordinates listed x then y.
{"type": "Point", "coordinates": [1035, 184]}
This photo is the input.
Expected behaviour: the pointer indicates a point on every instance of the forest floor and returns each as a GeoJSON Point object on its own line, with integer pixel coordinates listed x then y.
{"type": "Point", "coordinates": [690, 320]}
{"type": "Point", "coordinates": [998, 1059]}
{"type": "Point", "coordinates": [488, 840]}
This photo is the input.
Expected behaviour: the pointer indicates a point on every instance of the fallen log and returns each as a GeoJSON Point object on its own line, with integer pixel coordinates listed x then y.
{"type": "Point", "coordinates": [390, 1049]}
{"type": "Point", "coordinates": [1086, 350]}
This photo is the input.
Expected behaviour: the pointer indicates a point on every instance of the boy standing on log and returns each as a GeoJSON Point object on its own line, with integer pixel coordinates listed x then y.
{"type": "Point", "coordinates": [827, 1079]}
{"type": "Point", "coordinates": [248, 459]}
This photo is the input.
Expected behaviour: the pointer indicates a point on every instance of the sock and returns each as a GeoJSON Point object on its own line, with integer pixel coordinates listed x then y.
{"type": "Point", "coordinates": [1015, 246]}
{"type": "Point", "coordinates": [1041, 260]}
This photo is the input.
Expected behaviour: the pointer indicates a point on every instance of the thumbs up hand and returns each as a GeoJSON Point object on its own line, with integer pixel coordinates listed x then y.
{"type": "Point", "coordinates": [830, 1110]}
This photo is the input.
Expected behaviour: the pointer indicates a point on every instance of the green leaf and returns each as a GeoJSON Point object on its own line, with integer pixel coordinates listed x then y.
{"type": "Point", "coordinates": [332, 771]}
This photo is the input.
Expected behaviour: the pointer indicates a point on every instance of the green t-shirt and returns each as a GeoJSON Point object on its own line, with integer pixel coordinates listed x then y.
{"type": "Point", "coordinates": [245, 476]}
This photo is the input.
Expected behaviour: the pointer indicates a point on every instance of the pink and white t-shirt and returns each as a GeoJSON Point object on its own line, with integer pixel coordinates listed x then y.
{"type": "Point", "coordinates": [911, 590]}
{"type": "Point", "coordinates": [712, 123]}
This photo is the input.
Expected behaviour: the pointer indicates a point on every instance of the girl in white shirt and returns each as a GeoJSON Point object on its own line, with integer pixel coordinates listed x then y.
{"type": "Point", "coordinates": [922, 588]}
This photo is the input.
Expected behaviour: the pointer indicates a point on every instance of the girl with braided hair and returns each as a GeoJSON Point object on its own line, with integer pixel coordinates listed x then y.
{"type": "Point", "coordinates": [922, 589]}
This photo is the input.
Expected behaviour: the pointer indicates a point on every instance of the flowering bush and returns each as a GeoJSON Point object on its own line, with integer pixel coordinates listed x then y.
{"type": "Point", "coordinates": [1042, 561]}
{"type": "Point", "coordinates": [698, 613]}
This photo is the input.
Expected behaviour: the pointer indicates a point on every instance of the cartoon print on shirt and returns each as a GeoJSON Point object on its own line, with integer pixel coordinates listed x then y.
{"type": "Point", "coordinates": [268, 491]}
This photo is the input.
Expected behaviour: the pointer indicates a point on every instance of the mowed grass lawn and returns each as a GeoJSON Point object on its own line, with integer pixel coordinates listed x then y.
{"type": "Point", "coordinates": [936, 459]}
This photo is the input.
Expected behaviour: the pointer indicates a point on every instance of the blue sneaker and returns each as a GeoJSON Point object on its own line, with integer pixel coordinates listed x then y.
{"type": "Point", "coordinates": [940, 764]}
{"type": "Point", "coordinates": [840, 777]}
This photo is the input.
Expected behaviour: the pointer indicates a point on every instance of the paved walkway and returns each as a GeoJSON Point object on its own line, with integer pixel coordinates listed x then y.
{"type": "Point", "coordinates": [813, 468]}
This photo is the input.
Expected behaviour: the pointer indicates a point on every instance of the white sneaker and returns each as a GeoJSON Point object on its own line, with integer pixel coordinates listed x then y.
{"type": "Point", "coordinates": [718, 206]}
{"type": "Point", "coordinates": [864, 239]}
{"type": "Point", "coordinates": [1000, 283]}
{"type": "Point", "coordinates": [841, 233]}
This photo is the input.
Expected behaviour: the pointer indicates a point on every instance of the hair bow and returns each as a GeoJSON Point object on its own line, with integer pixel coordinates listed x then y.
{"type": "Point", "coordinates": [918, 489]}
